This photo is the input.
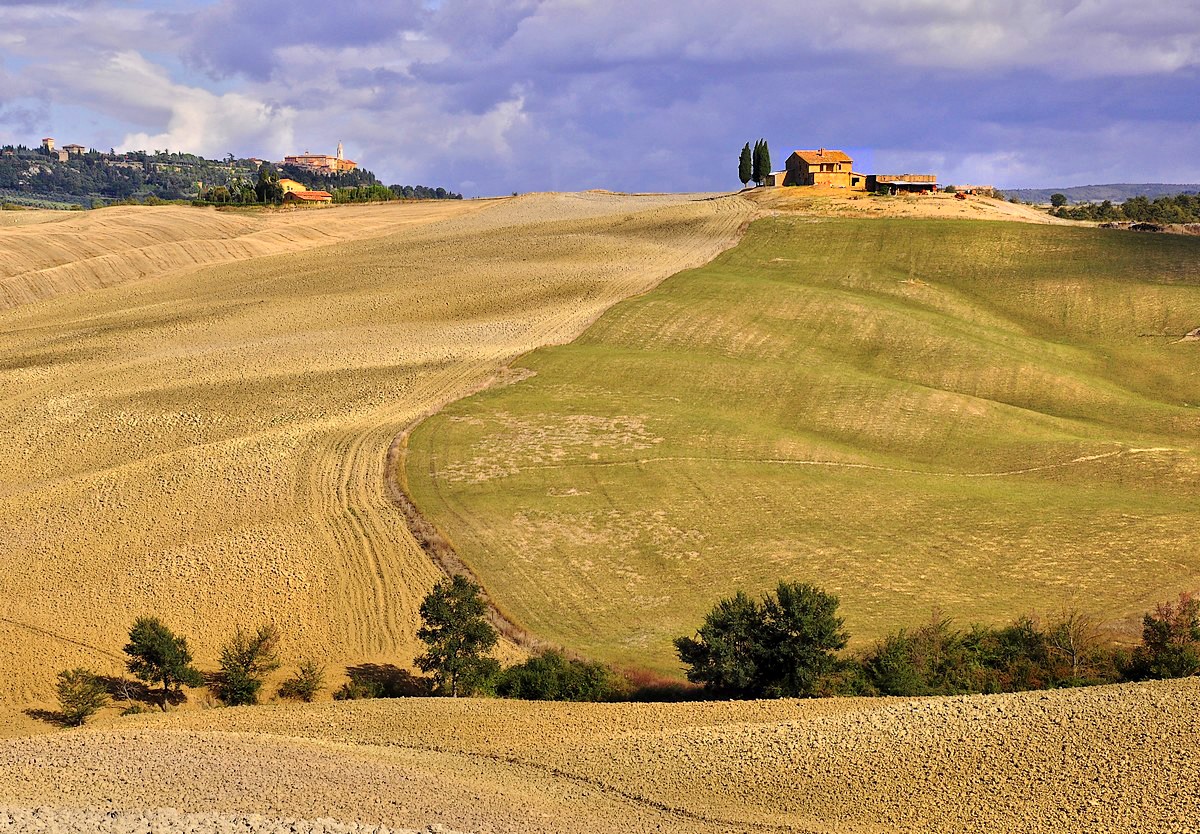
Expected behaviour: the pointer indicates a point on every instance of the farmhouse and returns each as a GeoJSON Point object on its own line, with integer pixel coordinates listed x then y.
{"type": "Point", "coordinates": [823, 167]}
{"type": "Point", "coordinates": [75, 150]}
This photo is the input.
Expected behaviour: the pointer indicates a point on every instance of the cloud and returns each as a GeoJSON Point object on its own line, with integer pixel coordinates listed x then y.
{"type": "Point", "coordinates": [533, 94]}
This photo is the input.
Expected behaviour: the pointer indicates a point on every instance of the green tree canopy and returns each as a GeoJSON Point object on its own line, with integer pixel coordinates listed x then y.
{"type": "Point", "coordinates": [157, 655]}
{"type": "Point", "coordinates": [1058, 200]}
{"type": "Point", "coordinates": [458, 635]}
{"type": "Point", "coordinates": [781, 647]}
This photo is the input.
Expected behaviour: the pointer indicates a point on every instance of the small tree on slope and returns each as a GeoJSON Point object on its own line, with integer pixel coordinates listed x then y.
{"type": "Point", "coordinates": [157, 655]}
{"type": "Point", "coordinates": [246, 661]}
{"type": "Point", "coordinates": [458, 635]}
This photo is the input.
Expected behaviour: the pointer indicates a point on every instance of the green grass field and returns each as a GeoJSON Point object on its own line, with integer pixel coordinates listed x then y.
{"type": "Point", "coordinates": [979, 416]}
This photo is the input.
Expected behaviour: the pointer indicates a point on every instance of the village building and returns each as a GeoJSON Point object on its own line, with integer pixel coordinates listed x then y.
{"type": "Point", "coordinates": [75, 150]}
{"type": "Point", "coordinates": [48, 145]}
{"type": "Point", "coordinates": [830, 168]}
{"type": "Point", "coordinates": [307, 197]}
{"type": "Point", "coordinates": [322, 163]}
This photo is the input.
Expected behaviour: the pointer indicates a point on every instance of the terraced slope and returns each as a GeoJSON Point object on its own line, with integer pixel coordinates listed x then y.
{"type": "Point", "coordinates": [992, 418]}
{"type": "Point", "coordinates": [1108, 760]}
{"type": "Point", "coordinates": [209, 444]}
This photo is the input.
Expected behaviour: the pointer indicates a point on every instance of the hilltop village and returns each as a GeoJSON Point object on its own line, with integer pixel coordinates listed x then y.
{"type": "Point", "coordinates": [74, 175]}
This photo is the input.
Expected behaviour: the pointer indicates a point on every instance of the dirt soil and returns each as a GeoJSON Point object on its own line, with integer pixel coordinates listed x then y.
{"type": "Point", "coordinates": [839, 202]}
{"type": "Point", "coordinates": [1102, 760]}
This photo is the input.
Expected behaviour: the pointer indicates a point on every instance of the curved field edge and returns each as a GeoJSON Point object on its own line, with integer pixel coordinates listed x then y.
{"type": "Point", "coordinates": [990, 418]}
{"type": "Point", "coordinates": [1104, 759]}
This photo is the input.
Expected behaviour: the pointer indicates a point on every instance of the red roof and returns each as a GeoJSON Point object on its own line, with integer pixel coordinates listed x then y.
{"type": "Point", "coordinates": [312, 196]}
{"type": "Point", "coordinates": [823, 155]}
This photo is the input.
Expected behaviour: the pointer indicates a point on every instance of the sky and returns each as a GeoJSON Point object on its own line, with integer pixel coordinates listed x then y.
{"type": "Point", "coordinates": [491, 96]}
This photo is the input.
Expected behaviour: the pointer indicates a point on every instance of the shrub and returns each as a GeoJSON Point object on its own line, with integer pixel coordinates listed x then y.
{"type": "Point", "coordinates": [245, 663]}
{"type": "Point", "coordinates": [552, 676]}
{"type": "Point", "coordinates": [782, 647]}
{"type": "Point", "coordinates": [305, 684]}
{"type": "Point", "coordinates": [81, 694]}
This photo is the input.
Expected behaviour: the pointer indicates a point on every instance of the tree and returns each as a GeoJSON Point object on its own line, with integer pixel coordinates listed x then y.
{"type": "Point", "coordinates": [745, 165]}
{"type": "Point", "coordinates": [246, 661]}
{"type": "Point", "coordinates": [1058, 200]}
{"type": "Point", "coordinates": [157, 655]}
{"type": "Point", "coordinates": [458, 635]}
{"type": "Point", "coordinates": [725, 657]}
{"type": "Point", "coordinates": [268, 189]}
{"type": "Point", "coordinates": [762, 162]}
{"type": "Point", "coordinates": [756, 163]}
{"type": "Point", "coordinates": [80, 694]}
{"type": "Point", "coordinates": [801, 631]}
{"type": "Point", "coordinates": [782, 647]}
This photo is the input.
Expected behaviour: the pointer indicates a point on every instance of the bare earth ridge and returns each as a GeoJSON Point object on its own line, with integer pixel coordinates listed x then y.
{"type": "Point", "coordinates": [1103, 760]}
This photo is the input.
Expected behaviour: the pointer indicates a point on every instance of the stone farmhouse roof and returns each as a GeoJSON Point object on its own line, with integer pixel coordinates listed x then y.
{"type": "Point", "coordinates": [823, 155]}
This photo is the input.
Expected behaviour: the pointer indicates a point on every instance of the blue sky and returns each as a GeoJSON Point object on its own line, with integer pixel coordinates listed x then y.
{"type": "Point", "coordinates": [488, 97]}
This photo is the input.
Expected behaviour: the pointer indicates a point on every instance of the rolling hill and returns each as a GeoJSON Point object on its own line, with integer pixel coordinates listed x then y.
{"type": "Point", "coordinates": [990, 418]}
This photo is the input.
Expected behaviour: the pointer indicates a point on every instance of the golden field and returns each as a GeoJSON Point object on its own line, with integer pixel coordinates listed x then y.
{"type": "Point", "coordinates": [207, 443]}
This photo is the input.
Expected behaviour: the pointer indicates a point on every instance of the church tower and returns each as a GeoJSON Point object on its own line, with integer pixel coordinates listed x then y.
{"type": "Point", "coordinates": [340, 155]}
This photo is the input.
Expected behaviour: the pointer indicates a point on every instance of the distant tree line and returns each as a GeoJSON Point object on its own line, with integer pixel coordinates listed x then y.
{"type": "Point", "coordinates": [788, 644]}
{"type": "Point", "coordinates": [1181, 208]}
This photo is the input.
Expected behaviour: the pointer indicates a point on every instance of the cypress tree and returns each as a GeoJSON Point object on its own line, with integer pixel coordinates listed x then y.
{"type": "Point", "coordinates": [764, 165]}
{"type": "Point", "coordinates": [745, 165]}
{"type": "Point", "coordinates": [756, 164]}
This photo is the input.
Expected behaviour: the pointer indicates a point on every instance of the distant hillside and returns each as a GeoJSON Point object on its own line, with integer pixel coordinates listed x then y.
{"type": "Point", "coordinates": [1116, 192]}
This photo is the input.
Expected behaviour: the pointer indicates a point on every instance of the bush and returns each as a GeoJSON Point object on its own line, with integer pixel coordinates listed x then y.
{"type": "Point", "coordinates": [1170, 641]}
{"type": "Point", "coordinates": [245, 663]}
{"type": "Point", "coordinates": [551, 676]}
{"type": "Point", "coordinates": [782, 647]}
{"type": "Point", "coordinates": [81, 694]}
{"type": "Point", "coordinates": [305, 684]}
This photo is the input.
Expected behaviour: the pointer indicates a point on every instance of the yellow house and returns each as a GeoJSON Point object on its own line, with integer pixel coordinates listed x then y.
{"type": "Point", "coordinates": [830, 168]}
{"type": "Point", "coordinates": [289, 186]}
